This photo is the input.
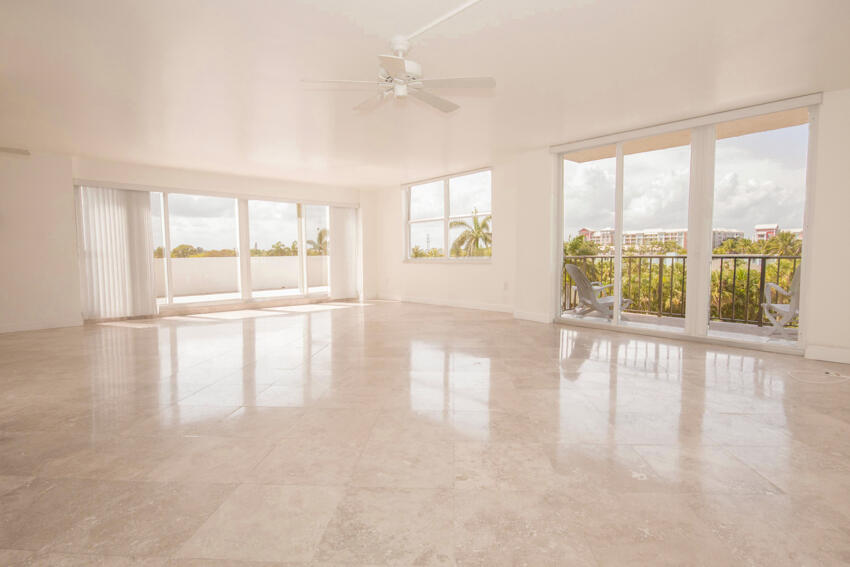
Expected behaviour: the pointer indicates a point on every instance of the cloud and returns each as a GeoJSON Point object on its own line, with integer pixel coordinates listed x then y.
{"type": "Point", "coordinates": [210, 222]}
{"type": "Point", "coordinates": [759, 178]}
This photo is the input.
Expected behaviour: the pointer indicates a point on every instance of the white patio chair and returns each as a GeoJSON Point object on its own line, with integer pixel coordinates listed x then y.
{"type": "Point", "coordinates": [780, 314]}
{"type": "Point", "coordinates": [590, 294]}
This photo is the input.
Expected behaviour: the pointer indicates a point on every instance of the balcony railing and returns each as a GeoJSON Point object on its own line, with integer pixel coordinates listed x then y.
{"type": "Point", "coordinates": [657, 284]}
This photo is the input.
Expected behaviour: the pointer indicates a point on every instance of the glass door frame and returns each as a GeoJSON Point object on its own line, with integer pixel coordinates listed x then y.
{"type": "Point", "coordinates": [243, 242]}
{"type": "Point", "coordinates": [700, 217]}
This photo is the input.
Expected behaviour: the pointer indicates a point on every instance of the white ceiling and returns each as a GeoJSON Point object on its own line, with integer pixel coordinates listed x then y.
{"type": "Point", "coordinates": [215, 84]}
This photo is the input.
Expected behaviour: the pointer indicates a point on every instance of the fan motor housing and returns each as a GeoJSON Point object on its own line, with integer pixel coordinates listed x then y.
{"type": "Point", "coordinates": [412, 69]}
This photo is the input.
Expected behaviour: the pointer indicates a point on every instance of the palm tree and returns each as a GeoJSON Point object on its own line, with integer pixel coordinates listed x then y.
{"type": "Point", "coordinates": [784, 244]}
{"type": "Point", "coordinates": [476, 239]}
{"type": "Point", "coordinates": [319, 247]}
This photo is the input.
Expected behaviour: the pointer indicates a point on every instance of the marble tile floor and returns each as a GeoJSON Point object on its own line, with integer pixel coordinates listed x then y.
{"type": "Point", "coordinates": [400, 434]}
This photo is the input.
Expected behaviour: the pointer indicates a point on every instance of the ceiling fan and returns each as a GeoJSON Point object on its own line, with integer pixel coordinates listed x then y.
{"type": "Point", "coordinates": [399, 77]}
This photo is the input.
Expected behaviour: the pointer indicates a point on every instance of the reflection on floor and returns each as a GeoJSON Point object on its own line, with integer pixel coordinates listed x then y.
{"type": "Point", "coordinates": [403, 434]}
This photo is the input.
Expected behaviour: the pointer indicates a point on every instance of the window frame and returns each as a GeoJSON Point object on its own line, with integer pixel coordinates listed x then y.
{"type": "Point", "coordinates": [700, 210]}
{"type": "Point", "coordinates": [243, 243]}
{"type": "Point", "coordinates": [446, 219]}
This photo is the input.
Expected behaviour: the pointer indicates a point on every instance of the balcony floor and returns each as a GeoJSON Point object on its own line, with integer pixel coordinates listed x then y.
{"type": "Point", "coordinates": [716, 329]}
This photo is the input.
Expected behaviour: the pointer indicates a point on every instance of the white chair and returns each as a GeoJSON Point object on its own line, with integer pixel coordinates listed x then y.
{"type": "Point", "coordinates": [590, 294]}
{"type": "Point", "coordinates": [780, 314]}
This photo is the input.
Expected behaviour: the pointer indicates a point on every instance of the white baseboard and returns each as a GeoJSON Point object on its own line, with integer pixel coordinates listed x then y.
{"type": "Point", "coordinates": [38, 325]}
{"type": "Point", "coordinates": [830, 354]}
{"type": "Point", "coordinates": [462, 304]}
{"type": "Point", "coordinates": [533, 316]}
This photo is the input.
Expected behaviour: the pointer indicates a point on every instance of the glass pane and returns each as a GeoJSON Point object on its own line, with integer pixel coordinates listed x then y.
{"type": "Point", "coordinates": [656, 177]}
{"type": "Point", "coordinates": [317, 242]}
{"type": "Point", "coordinates": [204, 239]}
{"type": "Point", "coordinates": [471, 236]}
{"type": "Point", "coordinates": [426, 201]}
{"type": "Point", "coordinates": [275, 264]}
{"type": "Point", "coordinates": [589, 183]}
{"type": "Point", "coordinates": [470, 194]}
{"type": "Point", "coordinates": [426, 239]}
{"type": "Point", "coordinates": [759, 198]}
{"type": "Point", "coordinates": [158, 239]}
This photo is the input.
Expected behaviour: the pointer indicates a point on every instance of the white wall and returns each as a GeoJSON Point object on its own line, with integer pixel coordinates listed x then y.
{"type": "Point", "coordinates": [373, 249]}
{"type": "Point", "coordinates": [38, 225]}
{"type": "Point", "coordinates": [475, 284]}
{"type": "Point", "coordinates": [40, 284]}
{"type": "Point", "coordinates": [133, 175]}
{"type": "Point", "coordinates": [827, 311]}
{"type": "Point", "coordinates": [525, 255]}
{"type": "Point", "coordinates": [519, 277]}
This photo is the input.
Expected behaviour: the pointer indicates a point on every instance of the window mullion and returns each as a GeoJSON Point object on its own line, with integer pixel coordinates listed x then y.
{"type": "Point", "coordinates": [618, 235]}
{"type": "Point", "coordinates": [166, 253]}
{"type": "Point", "coordinates": [446, 213]}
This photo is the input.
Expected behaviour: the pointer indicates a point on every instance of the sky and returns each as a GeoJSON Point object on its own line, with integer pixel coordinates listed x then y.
{"type": "Point", "coordinates": [759, 178]}
{"type": "Point", "coordinates": [210, 222]}
{"type": "Point", "coordinates": [467, 193]}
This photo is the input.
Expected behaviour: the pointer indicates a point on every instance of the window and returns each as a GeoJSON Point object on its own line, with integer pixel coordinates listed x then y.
{"type": "Point", "coordinates": [683, 259]}
{"type": "Point", "coordinates": [451, 217]}
{"type": "Point", "coordinates": [656, 179]}
{"type": "Point", "coordinates": [204, 262]}
{"type": "Point", "coordinates": [588, 221]}
{"type": "Point", "coordinates": [158, 241]}
{"type": "Point", "coordinates": [275, 262]}
{"type": "Point", "coordinates": [317, 240]}
{"type": "Point", "coordinates": [757, 234]}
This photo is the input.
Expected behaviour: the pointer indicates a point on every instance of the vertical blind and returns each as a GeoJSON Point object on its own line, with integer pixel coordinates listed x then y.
{"type": "Point", "coordinates": [343, 253]}
{"type": "Point", "coordinates": [116, 253]}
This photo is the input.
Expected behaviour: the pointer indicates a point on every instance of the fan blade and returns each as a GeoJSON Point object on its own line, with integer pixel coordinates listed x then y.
{"type": "Point", "coordinates": [460, 82]}
{"type": "Point", "coordinates": [437, 102]}
{"type": "Point", "coordinates": [393, 65]}
{"type": "Point", "coordinates": [347, 84]}
{"type": "Point", "coordinates": [372, 102]}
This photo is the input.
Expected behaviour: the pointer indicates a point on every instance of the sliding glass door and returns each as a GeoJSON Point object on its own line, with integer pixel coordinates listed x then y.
{"type": "Point", "coordinates": [695, 230]}
{"type": "Point", "coordinates": [656, 177]}
{"type": "Point", "coordinates": [204, 257]}
{"type": "Point", "coordinates": [317, 241]}
{"type": "Point", "coordinates": [588, 186]}
{"type": "Point", "coordinates": [158, 240]}
{"type": "Point", "coordinates": [275, 252]}
{"type": "Point", "coordinates": [759, 200]}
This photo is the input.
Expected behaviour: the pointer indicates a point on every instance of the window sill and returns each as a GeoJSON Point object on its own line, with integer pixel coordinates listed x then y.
{"type": "Point", "coordinates": [486, 260]}
{"type": "Point", "coordinates": [169, 308]}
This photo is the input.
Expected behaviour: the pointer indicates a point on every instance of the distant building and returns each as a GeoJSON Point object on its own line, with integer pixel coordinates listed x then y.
{"type": "Point", "coordinates": [798, 232]}
{"type": "Point", "coordinates": [605, 236]}
{"type": "Point", "coordinates": [656, 235]}
{"type": "Point", "coordinates": [720, 235]}
{"type": "Point", "coordinates": [766, 231]}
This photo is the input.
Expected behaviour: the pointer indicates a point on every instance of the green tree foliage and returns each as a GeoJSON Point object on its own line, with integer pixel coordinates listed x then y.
{"type": "Point", "coordinates": [189, 251]}
{"type": "Point", "coordinates": [580, 246]}
{"type": "Point", "coordinates": [158, 252]}
{"type": "Point", "coordinates": [476, 238]}
{"type": "Point", "coordinates": [277, 249]}
{"type": "Point", "coordinates": [319, 246]}
{"type": "Point", "coordinates": [784, 244]}
{"type": "Point", "coordinates": [223, 253]}
{"type": "Point", "coordinates": [185, 251]}
{"type": "Point", "coordinates": [734, 288]}
{"type": "Point", "coordinates": [419, 252]}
